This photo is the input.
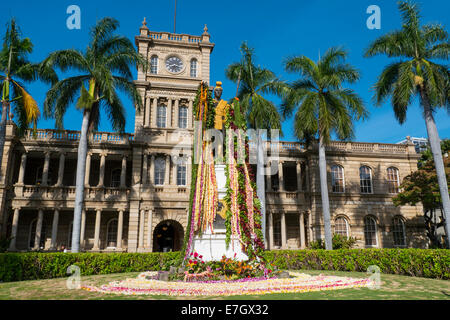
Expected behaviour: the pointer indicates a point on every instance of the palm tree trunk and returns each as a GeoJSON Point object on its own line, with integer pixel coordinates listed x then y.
{"type": "Point", "coordinates": [79, 192]}
{"type": "Point", "coordinates": [435, 145]}
{"type": "Point", "coordinates": [5, 107]}
{"type": "Point", "coordinates": [261, 186]}
{"type": "Point", "coordinates": [324, 194]}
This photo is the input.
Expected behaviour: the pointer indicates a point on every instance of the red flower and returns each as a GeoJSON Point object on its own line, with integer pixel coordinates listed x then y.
{"type": "Point", "coordinates": [200, 257]}
{"type": "Point", "coordinates": [195, 262]}
{"type": "Point", "coordinates": [195, 255]}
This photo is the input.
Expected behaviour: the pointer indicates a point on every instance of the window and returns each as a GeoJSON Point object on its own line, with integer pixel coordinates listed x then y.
{"type": "Point", "coordinates": [154, 65]}
{"type": "Point", "coordinates": [32, 235]}
{"type": "Point", "coordinates": [398, 229]}
{"type": "Point", "coordinates": [181, 174]}
{"type": "Point", "coordinates": [337, 178]}
{"type": "Point", "coordinates": [161, 116]}
{"type": "Point", "coordinates": [194, 68]}
{"type": "Point", "coordinates": [160, 169]}
{"type": "Point", "coordinates": [182, 117]}
{"type": "Point", "coordinates": [111, 233]}
{"type": "Point", "coordinates": [341, 227]}
{"type": "Point", "coordinates": [365, 179]}
{"type": "Point", "coordinates": [370, 231]}
{"type": "Point", "coordinates": [393, 180]}
{"type": "Point", "coordinates": [115, 178]}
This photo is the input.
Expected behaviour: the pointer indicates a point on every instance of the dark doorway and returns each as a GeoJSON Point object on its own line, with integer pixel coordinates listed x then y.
{"type": "Point", "coordinates": [168, 236]}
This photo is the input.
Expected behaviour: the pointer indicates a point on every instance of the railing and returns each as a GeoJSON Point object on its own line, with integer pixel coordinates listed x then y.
{"type": "Point", "coordinates": [69, 135]}
{"type": "Point", "coordinates": [68, 192]}
{"type": "Point", "coordinates": [175, 37]}
{"type": "Point", "coordinates": [367, 147]}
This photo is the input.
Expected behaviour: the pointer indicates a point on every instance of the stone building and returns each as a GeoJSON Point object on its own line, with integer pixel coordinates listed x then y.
{"type": "Point", "coordinates": [137, 188]}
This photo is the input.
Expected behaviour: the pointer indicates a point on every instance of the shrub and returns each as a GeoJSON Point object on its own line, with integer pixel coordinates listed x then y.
{"type": "Point", "coordinates": [429, 263]}
{"type": "Point", "coordinates": [339, 242]}
{"type": "Point", "coordinates": [4, 244]}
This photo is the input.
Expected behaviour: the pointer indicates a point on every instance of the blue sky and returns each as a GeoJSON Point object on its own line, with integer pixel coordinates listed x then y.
{"type": "Point", "coordinates": [276, 29]}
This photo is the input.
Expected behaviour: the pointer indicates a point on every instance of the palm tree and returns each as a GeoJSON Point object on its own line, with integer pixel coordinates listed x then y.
{"type": "Point", "coordinates": [15, 68]}
{"type": "Point", "coordinates": [253, 82]}
{"type": "Point", "coordinates": [324, 107]}
{"type": "Point", "coordinates": [104, 67]}
{"type": "Point", "coordinates": [415, 74]}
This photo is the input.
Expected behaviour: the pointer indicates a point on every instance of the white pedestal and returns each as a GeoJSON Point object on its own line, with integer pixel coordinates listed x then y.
{"type": "Point", "coordinates": [212, 246]}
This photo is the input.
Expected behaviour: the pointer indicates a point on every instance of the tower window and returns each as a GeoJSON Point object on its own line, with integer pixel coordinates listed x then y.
{"type": "Point", "coordinates": [160, 169]}
{"type": "Point", "coordinates": [194, 68]}
{"type": "Point", "coordinates": [161, 116]}
{"type": "Point", "coordinates": [182, 117]}
{"type": "Point", "coordinates": [154, 65]}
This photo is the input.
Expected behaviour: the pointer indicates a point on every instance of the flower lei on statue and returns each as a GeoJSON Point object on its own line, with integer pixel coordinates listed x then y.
{"type": "Point", "coordinates": [243, 215]}
{"type": "Point", "coordinates": [203, 198]}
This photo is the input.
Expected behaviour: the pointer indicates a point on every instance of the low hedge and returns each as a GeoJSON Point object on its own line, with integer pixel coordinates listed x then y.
{"type": "Point", "coordinates": [430, 263]}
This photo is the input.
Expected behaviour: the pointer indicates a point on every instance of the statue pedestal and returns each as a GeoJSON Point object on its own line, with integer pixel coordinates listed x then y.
{"type": "Point", "coordinates": [212, 246]}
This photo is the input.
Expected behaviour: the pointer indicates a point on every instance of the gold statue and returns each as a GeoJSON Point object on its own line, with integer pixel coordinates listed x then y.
{"type": "Point", "coordinates": [221, 106]}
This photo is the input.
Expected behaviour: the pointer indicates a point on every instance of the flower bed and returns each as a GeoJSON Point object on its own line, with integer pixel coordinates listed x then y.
{"type": "Point", "coordinates": [145, 284]}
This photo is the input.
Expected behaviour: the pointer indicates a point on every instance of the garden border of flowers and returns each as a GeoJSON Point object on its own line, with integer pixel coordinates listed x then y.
{"type": "Point", "coordinates": [428, 263]}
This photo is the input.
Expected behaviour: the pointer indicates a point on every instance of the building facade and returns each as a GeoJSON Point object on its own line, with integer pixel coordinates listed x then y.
{"type": "Point", "coordinates": [137, 185]}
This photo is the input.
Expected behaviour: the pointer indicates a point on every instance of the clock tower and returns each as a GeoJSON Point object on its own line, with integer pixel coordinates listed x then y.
{"type": "Point", "coordinates": [163, 138]}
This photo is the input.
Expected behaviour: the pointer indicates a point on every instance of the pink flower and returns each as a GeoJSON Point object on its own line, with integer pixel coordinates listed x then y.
{"type": "Point", "coordinates": [195, 254]}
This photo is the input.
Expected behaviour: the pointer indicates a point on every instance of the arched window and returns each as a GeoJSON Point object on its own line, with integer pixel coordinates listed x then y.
{"type": "Point", "coordinates": [393, 180]}
{"type": "Point", "coordinates": [365, 179]}
{"type": "Point", "coordinates": [111, 233]}
{"type": "Point", "coordinates": [370, 231]}
{"type": "Point", "coordinates": [194, 68]}
{"type": "Point", "coordinates": [398, 229]}
{"type": "Point", "coordinates": [182, 117]}
{"type": "Point", "coordinates": [160, 169]}
{"type": "Point", "coordinates": [341, 227]}
{"type": "Point", "coordinates": [161, 114]}
{"type": "Point", "coordinates": [154, 65]}
{"type": "Point", "coordinates": [337, 179]}
{"type": "Point", "coordinates": [115, 178]}
{"type": "Point", "coordinates": [32, 235]}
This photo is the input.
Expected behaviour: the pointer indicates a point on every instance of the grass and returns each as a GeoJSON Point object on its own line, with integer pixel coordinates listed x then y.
{"type": "Point", "coordinates": [393, 287]}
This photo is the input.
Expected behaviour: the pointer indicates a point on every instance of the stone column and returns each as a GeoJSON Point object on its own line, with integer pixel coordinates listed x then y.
{"type": "Point", "coordinates": [54, 229]}
{"type": "Point", "coordinates": [153, 112]}
{"type": "Point", "coordinates": [280, 176]}
{"type": "Point", "coordinates": [283, 230]}
{"type": "Point", "coordinates": [123, 172]}
{"type": "Point", "coordinates": [37, 237]}
{"type": "Point", "coordinates": [152, 170]}
{"type": "Point", "coordinates": [141, 229]}
{"type": "Point", "coordinates": [45, 169]}
{"type": "Point", "coordinates": [119, 229]}
{"type": "Point", "coordinates": [23, 163]}
{"type": "Point", "coordinates": [176, 113]}
{"type": "Point", "coordinates": [302, 230]}
{"type": "Point", "coordinates": [62, 160]}
{"type": "Point", "coordinates": [189, 171]}
{"type": "Point", "coordinates": [167, 171]}
{"type": "Point", "coordinates": [174, 170]}
{"type": "Point", "coordinates": [269, 177]}
{"type": "Point", "coordinates": [190, 117]}
{"type": "Point", "coordinates": [144, 179]}
{"type": "Point", "coordinates": [14, 227]}
{"type": "Point", "coordinates": [270, 230]}
{"type": "Point", "coordinates": [101, 179]}
{"type": "Point", "coordinates": [83, 228]}
{"type": "Point", "coordinates": [169, 114]}
{"type": "Point", "coordinates": [150, 230]}
{"type": "Point", "coordinates": [308, 187]}
{"type": "Point", "coordinates": [299, 176]}
{"type": "Point", "coordinates": [310, 227]}
{"type": "Point", "coordinates": [88, 170]}
{"type": "Point", "coordinates": [147, 112]}
{"type": "Point", "coordinates": [97, 229]}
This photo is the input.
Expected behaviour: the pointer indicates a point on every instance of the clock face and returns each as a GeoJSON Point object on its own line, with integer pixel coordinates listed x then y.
{"type": "Point", "coordinates": [174, 64]}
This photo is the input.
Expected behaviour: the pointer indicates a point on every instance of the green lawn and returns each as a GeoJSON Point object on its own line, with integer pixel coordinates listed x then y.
{"type": "Point", "coordinates": [393, 287]}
